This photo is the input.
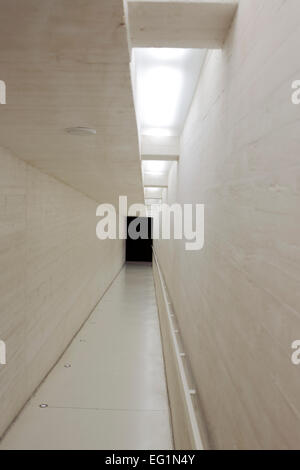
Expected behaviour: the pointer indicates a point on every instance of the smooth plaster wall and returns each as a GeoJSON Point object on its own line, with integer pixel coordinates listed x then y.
{"type": "Point", "coordinates": [53, 272]}
{"type": "Point", "coordinates": [238, 300]}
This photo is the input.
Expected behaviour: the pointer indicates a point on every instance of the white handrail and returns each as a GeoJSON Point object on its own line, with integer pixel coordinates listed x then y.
{"type": "Point", "coordinates": [187, 391]}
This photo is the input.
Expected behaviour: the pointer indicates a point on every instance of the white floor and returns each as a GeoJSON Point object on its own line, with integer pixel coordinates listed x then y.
{"type": "Point", "coordinates": [114, 394]}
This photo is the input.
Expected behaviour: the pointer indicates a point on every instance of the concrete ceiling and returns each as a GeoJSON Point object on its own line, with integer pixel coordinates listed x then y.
{"type": "Point", "coordinates": [66, 63]}
{"type": "Point", "coordinates": [180, 23]}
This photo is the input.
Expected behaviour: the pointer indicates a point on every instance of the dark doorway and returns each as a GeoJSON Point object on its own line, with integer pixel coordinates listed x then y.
{"type": "Point", "coordinates": [139, 239]}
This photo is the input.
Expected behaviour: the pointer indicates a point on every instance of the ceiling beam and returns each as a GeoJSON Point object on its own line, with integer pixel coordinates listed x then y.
{"type": "Point", "coordinates": [160, 148]}
{"type": "Point", "coordinates": [193, 24]}
{"type": "Point", "coordinates": [156, 186]}
{"type": "Point", "coordinates": [167, 158]}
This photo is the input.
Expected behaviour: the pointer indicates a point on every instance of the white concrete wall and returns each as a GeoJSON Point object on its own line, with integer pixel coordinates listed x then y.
{"type": "Point", "coordinates": [53, 272]}
{"type": "Point", "coordinates": [238, 300]}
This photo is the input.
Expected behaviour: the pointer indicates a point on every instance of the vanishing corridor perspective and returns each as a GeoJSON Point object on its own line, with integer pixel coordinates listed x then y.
{"type": "Point", "coordinates": [187, 338]}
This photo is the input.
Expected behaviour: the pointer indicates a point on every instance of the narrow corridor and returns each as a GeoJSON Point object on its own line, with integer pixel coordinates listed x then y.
{"type": "Point", "coordinates": [137, 130]}
{"type": "Point", "coordinates": [108, 390]}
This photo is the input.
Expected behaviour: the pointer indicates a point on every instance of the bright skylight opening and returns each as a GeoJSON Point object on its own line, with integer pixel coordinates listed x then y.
{"type": "Point", "coordinates": [165, 82]}
{"type": "Point", "coordinates": [167, 54]}
{"type": "Point", "coordinates": [159, 91]}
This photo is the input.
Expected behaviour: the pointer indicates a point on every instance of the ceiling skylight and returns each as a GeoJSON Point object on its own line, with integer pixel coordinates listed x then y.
{"type": "Point", "coordinates": [165, 81]}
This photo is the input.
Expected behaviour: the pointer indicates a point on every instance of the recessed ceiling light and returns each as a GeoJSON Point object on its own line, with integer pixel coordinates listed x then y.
{"type": "Point", "coordinates": [67, 366]}
{"type": "Point", "coordinates": [81, 131]}
{"type": "Point", "coordinates": [43, 405]}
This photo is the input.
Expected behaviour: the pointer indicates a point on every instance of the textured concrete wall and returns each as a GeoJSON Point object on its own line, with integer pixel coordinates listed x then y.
{"type": "Point", "coordinates": [238, 300]}
{"type": "Point", "coordinates": [53, 272]}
